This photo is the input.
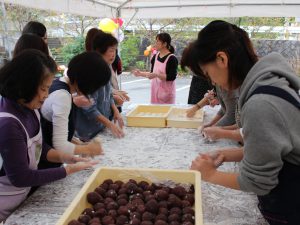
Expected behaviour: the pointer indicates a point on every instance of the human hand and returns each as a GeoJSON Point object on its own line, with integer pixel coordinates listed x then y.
{"type": "Point", "coordinates": [214, 102]}
{"type": "Point", "coordinates": [205, 165]}
{"type": "Point", "coordinates": [200, 129]}
{"type": "Point", "coordinates": [191, 111]}
{"type": "Point", "coordinates": [94, 148]}
{"type": "Point", "coordinates": [71, 159]}
{"type": "Point", "coordinates": [136, 72]}
{"type": "Point", "coordinates": [73, 168]}
{"type": "Point", "coordinates": [118, 119]}
{"type": "Point", "coordinates": [212, 133]}
{"type": "Point", "coordinates": [116, 131]}
{"type": "Point", "coordinates": [217, 156]}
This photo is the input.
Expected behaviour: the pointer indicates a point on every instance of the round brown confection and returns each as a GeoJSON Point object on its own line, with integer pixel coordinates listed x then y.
{"type": "Point", "coordinates": [192, 189]}
{"type": "Point", "coordinates": [147, 216]}
{"type": "Point", "coordinates": [141, 208]}
{"type": "Point", "coordinates": [131, 188]}
{"type": "Point", "coordinates": [113, 213]}
{"type": "Point", "coordinates": [122, 196]}
{"type": "Point", "coordinates": [119, 183]}
{"type": "Point", "coordinates": [150, 188]}
{"type": "Point", "coordinates": [122, 191]}
{"type": "Point", "coordinates": [89, 211]}
{"type": "Point", "coordinates": [175, 210]}
{"type": "Point", "coordinates": [188, 210]}
{"type": "Point", "coordinates": [108, 181]}
{"type": "Point", "coordinates": [112, 205]}
{"type": "Point", "coordinates": [146, 223]}
{"type": "Point", "coordinates": [104, 186]}
{"type": "Point", "coordinates": [94, 223]}
{"type": "Point", "coordinates": [101, 212]}
{"type": "Point", "coordinates": [101, 191]}
{"type": "Point", "coordinates": [139, 190]}
{"type": "Point", "coordinates": [122, 201]}
{"type": "Point", "coordinates": [161, 195]}
{"type": "Point", "coordinates": [161, 217]}
{"type": "Point", "coordinates": [166, 189]}
{"type": "Point", "coordinates": [174, 201]}
{"type": "Point", "coordinates": [137, 202]}
{"type": "Point", "coordinates": [111, 194]}
{"type": "Point", "coordinates": [146, 193]}
{"type": "Point", "coordinates": [132, 181]}
{"type": "Point", "coordinates": [174, 217]}
{"type": "Point", "coordinates": [160, 222]}
{"type": "Point", "coordinates": [95, 220]}
{"type": "Point", "coordinates": [114, 187]}
{"type": "Point", "coordinates": [84, 219]}
{"type": "Point", "coordinates": [123, 210]}
{"type": "Point", "coordinates": [152, 206]}
{"type": "Point", "coordinates": [163, 204]}
{"type": "Point", "coordinates": [143, 184]}
{"type": "Point", "coordinates": [164, 211]}
{"type": "Point", "coordinates": [179, 191]}
{"type": "Point", "coordinates": [185, 203]}
{"type": "Point", "coordinates": [131, 207]}
{"type": "Point", "coordinates": [190, 198]}
{"type": "Point", "coordinates": [174, 223]}
{"type": "Point", "coordinates": [149, 197]}
{"type": "Point", "coordinates": [137, 196]}
{"type": "Point", "coordinates": [74, 222]}
{"type": "Point", "coordinates": [121, 220]}
{"type": "Point", "coordinates": [94, 197]}
{"type": "Point", "coordinates": [98, 205]}
{"type": "Point", "coordinates": [106, 220]}
{"type": "Point", "coordinates": [108, 200]}
{"type": "Point", "coordinates": [135, 221]}
{"type": "Point", "coordinates": [187, 223]}
{"type": "Point", "coordinates": [187, 218]}
{"type": "Point", "coordinates": [136, 215]}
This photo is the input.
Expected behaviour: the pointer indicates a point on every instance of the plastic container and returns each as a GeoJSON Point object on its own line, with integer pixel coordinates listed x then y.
{"type": "Point", "coordinates": [150, 175]}
{"type": "Point", "coordinates": [148, 116]}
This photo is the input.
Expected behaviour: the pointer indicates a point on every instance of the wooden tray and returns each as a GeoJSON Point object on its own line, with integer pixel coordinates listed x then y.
{"type": "Point", "coordinates": [179, 176]}
{"type": "Point", "coordinates": [177, 118]}
{"type": "Point", "coordinates": [148, 116]}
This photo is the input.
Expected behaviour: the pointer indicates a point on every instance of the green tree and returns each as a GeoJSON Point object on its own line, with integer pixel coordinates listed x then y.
{"type": "Point", "coordinates": [129, 51]}
{"type": "Point", "coordinates": [75, 47]}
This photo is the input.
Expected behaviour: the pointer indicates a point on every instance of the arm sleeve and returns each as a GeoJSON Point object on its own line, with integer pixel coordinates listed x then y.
{"type": "Point", "coordinates": [266, 140]}
{"type": "Point", "coordinates": [92, 111]}
{"type": "Point", "coordinates": [61, 107]}
{"type": "Point", "coordinates": [228, 103]}
{"type": "Point", "coordinates": [171, 68]}
{"type": "Point", "coordinates": [45, 149]}
{"type": "Point", "coordinates": [152, 62]}
{"type": "Point", "coordinates": [13, 148]}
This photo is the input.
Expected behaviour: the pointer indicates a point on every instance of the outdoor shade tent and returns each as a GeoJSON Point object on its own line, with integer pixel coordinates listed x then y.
{"type": "Point", "coordinates": [168, 8]}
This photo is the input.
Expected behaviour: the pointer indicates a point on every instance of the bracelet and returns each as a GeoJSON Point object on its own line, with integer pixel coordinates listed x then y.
{"type": "Point", "coordinates": [198, 106]}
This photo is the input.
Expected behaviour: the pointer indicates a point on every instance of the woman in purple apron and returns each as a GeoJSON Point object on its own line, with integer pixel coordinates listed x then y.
{"type": "Point", "coordinates": [163, 71]}
{"type": "Point", "coordinates": [24, 84]}
{"type": "Point", "coordinates": [269, 103]}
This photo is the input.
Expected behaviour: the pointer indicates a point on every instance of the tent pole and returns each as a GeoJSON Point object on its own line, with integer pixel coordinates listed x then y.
{"type": "Point", "coordinates": [5, 29]}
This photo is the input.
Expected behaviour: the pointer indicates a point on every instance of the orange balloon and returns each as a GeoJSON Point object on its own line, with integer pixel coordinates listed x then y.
{"type": "Point", "coordinates": [146, 53]}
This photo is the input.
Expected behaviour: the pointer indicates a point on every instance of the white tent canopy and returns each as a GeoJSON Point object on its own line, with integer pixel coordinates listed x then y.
{"type": "Point", "coordinates": [168, 8]}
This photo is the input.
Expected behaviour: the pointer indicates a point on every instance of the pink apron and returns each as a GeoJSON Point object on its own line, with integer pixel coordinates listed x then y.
{"type": "Point", "coordinates": [162, 91]}
{"type": "Point", "coordinates": [11, 196]}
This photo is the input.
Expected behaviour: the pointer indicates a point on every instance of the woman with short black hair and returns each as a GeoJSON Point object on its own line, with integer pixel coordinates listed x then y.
{"type": "Point", "coordinates": [24, 85]}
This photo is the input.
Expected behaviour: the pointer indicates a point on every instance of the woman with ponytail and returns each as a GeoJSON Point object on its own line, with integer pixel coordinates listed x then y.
{"type": "Point", "coordinates": [269, 103]}
{"type": "Point", "coordinates": [163, 71]}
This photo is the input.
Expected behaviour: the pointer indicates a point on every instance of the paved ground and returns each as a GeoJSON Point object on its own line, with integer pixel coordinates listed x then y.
{"type": "Point", "coordinates": [139, 89]}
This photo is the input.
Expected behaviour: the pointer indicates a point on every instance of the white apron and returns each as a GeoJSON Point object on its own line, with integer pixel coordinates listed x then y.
{"type": "Point", "coordinates": [11, 196]}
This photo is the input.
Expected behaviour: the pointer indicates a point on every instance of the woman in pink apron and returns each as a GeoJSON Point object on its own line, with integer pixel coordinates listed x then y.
{"type": "Point", "coordinates": [163, 71]}
{"type": "Point", "coordinates": [24, 84]}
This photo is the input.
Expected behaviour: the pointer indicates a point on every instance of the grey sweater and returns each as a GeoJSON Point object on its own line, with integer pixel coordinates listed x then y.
{"type": "Point", "coordinates": [270, 125]}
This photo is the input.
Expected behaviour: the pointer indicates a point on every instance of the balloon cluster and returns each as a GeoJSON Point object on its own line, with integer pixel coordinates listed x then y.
{"type": "Point", "coordinates": [111, 26]}
{"type": "Point", "coordinates": [149, 50]}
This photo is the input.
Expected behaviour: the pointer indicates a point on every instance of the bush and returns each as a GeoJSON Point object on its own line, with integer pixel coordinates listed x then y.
{"type": "Point", "coordinates": [129, 51]}
{"type": "Point", "coordinates": [75, 47]}
{"type": "Point", "coordinates": [140, 65]}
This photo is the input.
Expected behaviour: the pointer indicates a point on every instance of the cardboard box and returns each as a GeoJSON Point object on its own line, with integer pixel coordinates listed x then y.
{"type": "Point", "coordinates": [177, 118]}
{"type": "Point", "coordinates": [124, 174]}
{"type": "Point", "coordinates": [148, 116]}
